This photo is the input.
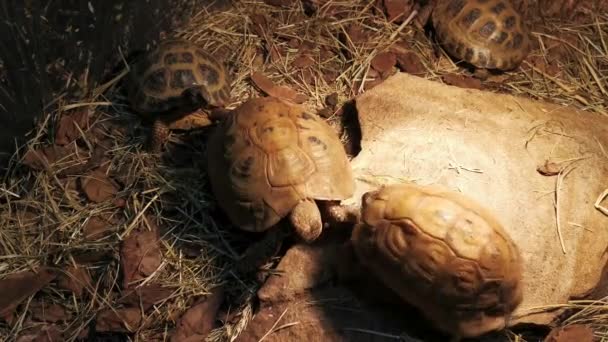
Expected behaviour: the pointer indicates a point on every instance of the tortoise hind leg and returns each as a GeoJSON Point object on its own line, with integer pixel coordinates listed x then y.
{"type": "Point", "coordinates": [158, 136]}
{"type": "Point", "coordinates": [306, 220]}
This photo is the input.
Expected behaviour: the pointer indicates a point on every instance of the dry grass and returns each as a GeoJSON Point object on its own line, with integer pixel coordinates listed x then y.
{"type": "Point", "coordinates": [178, 195]}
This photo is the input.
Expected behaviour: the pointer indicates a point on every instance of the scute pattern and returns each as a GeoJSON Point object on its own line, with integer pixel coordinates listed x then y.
{"type": "Point", "coordinates": [487, 34]}
{"type": "Point", "coordinates": [269, 155]}
{"type": "Point", "coordinates": [159, 80]}
{"type": "Point", "coordinates": [427, 243]}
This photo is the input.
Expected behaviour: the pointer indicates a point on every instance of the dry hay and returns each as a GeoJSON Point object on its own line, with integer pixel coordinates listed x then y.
{"type": "Point", "coordinates": [48, 211]}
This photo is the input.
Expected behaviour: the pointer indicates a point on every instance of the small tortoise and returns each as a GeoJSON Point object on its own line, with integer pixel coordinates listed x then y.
{"type": "Point", "coordinates": [174, 80]}
{"type": "Point", "coordinates": [271, 159]}
{"type": "Point", "coordinates": [488, 34]}
{"type": "Point", "coordinates": [442, 253]}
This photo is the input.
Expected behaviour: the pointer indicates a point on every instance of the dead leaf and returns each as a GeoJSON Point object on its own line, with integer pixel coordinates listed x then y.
{"type": "Point", "coordinates": [76, 279]}
{"type": "Point", "coordinates": [140, 253]}
{"type": "Point", "coordinates": [384, 61]}
{"type": "Point", "coordinates": [41, 333]}
{"type": "Point", "coordinates": [462, 81]}
{"type": "Point", "coordinates": [259, 24]}
{"type": "Point", "coordinates": [196, 323]}
{"type": "Point", "coordinates": [356, 34]}
{"type": "Point", "coordinates": [44, 158]}
{"type": "Point", "coordinates": [48, 313]}
{"type": "Point", "coordinates": [571, 333]}
{"type": "Point", "coordinates": [118, 320]}
{"type": "Point", "coordinates": [271, 89]}
{"type": "Point", "coordinates": [146, 296]}
{"type": "Point", "coordinates": [303, 61]}
{"type": "Point", "coordinates": [326, 112]}
{"type": "Point", "coordinates": [97, 227]}
{"type": "Point", "coordinates": [332, 100]}
{"type": "Point", "coordinates": [98, 187]}
{"type": "Point", "coordinates": [397, 10]}
{"type": "Point", "coordinates": [17, 287]}
{"type": "Point", "coordinates": [68, 127]}
{"type": "Point", "coordinates": [549, 168]}
{"type": "Point", "coordinates": [410, 62]}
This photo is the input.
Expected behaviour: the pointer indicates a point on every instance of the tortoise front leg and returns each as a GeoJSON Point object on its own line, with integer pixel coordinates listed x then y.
{"type": "Point", "coordinates": [339, 213]}
{"type": "Point", "coordinates": [306, 220]}
{"type": "Point", "coordinates": [159, 135]}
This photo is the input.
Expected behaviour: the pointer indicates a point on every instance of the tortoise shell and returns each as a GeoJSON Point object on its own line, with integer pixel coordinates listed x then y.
{"type": "Point", "coordinates": [488, 34]}
{"type": "Point", "coordinates": [175, 72]}
{"type": "Point", "coordinates": [268, 155]}
{"type": "Point", "coordinates": [442, 253]}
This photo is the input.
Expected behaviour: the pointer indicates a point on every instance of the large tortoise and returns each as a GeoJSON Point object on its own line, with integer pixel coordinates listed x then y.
{"type": "Point", "coordinates": [270, 159]}
{"type": "Point", "coordinates": [488, 34]}
{"type": "Point", "coordinates": [174, 80]}
{"type": "Point", "coordinates": [443, 253]}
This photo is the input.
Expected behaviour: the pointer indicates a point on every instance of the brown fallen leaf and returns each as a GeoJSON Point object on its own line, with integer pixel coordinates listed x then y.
{"type": "Point", "coordinates": [271, 89]}
{"type": "Point", "coordinates": [462, 81]}
{"type": "Point", "coordinates": [397, 10]}
{"type": "Point", "coordinates": [410, 62]}
{"type": "Point", "coordinates": [332, 100]}
{"type": "Point", "coordinates": [97, 227]}
{"type": "Point", "coordinates": [45, 158]}
{"type": "Point", "coordinates": [118, 320]}
{"type": "Point", "coordinates": [260, 24]}
{"type": "Point", "coordinates": [70, 125]}
{"type": "Point", "coordinates": [41, 333]}
{"type": "Point", "coordinates": [571, 333]}
{"type": "Point", "coordinates": [98, 187]}
{"type": "Point", "coordinates": [146, 296]}
{"type": "Point", "coordinates": [303, 61]}
{"type": "Point", "coordinates": [76, 279]}
{"type": "Point", "coordinates": [384, 61]}
{"type": "Point", "coordinates": [196, 323]}
{"type": "Point", "coordinates": [51, 313]}
{"type": "Point", "coordinates": [356, 34]}
{"type": "Point", "coordinates": [17, 287]}
{"type": "Point", "coordinates": [140, 253]}
{"type": "Point", "coordinates": [549, 168]}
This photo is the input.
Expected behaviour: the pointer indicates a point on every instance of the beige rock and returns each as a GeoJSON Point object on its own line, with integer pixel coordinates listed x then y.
{"type": "Point", "coordinates": [493, 148]}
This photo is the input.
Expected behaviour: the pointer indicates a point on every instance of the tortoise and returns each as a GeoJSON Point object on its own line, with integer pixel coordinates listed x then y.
{"type": "Point", "coordinates": [174, 80]}
{"type": "Point", "coordinates": [443, 253]}
{"type": "Point", "coordinates": [487, 34]}
{"type": "Point", "coordinates": [271, 159]}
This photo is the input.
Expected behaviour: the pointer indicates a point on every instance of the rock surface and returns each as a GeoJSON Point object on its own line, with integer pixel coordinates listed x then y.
{"type": "Point", "coordinates": [490, 147]}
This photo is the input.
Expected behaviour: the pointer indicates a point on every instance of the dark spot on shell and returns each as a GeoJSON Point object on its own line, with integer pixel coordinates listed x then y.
{"type": "Point", "coordinates": [210, 75]}
{"type": "Point", "coordinates": [498, 8]}
{"type": "Point", "coordinates": [307, 116]}
{"type": "Point", "coordinates": [302, 127]}
{"type": "Point", "coordinates": [317, 141]}
{"type": "Point", "coordinates": [487, 29]}
{"type": "Point", "coordinates": [518, 40]}
{"type": "Point", "coordinates": [156, 81]}
{"type": "Point", "coordinates": [187, 57]}
{"type": "Point", "coordinates": [482, 1]}
{"type": "Point", "coordinates": [469, 54]}
{"type": "Point", "coordinates": [182, 79]}
{"type": "Point", "coordinates": [243, 170]}
{"type": "Point", "coordinates": [482, 59]}
{"type": "Point", "coordinates": [510, 22]}
{"type": "Point", "coordinates": [471, 17]}
{"type": "Point", "coordinates": [170, 58]}
{"type": "Point", "coordinates": [456, 6]}
{"type": "Point", "coordinates": [500, 38]}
